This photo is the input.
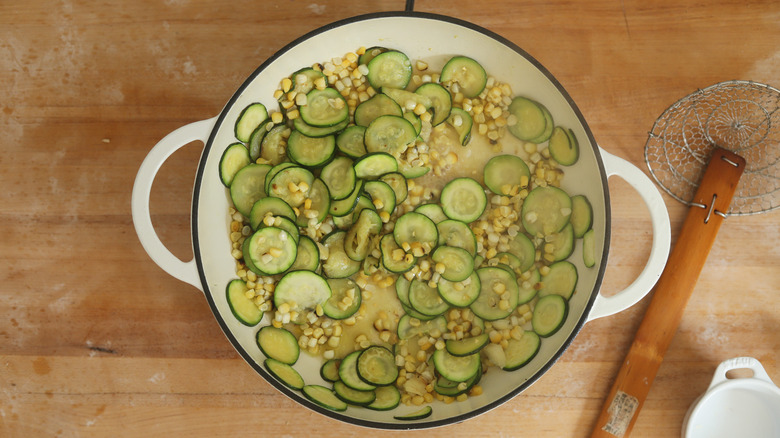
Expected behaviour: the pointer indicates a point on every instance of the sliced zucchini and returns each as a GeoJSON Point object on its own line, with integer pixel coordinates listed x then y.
{"type": "Point", "coordinates": [374, 165]}
{"type": "Point", "coordinates": [310, 151]}
{"type": "Point", "coordinates": [329, 371]}
{"type": "Point", "coordinates": [549, 126]}
{"type": "Point", "coordinates": [389, 69]}
{"type": "Point", "coordinates": [581, 215]}
{"type": "Point", "coordinates": [523, 248]}
{"type": "Point", "coordinates": [318, 131]}
{"type": "Point", "coordinates": [273, 148]}
{"type": "Point", "coordinates": [560, 280]}
{"type": "Point", "coordinates": [284, 373]}
{"type": "Point", "coordinates": [302, 291]}
{"type": "Point", "coordinates": [463, 199]}
{"type": "Point", "coordinates": [304, 79]}
{"type": "Point", "coordinates": [350, 141]}
{"type": "Point", "coordinates": [370, 53]}
{"type": "Point", "coordinates": [459, 263]}
{"type": "Point", "coordinates": [425, 299]}
{"type": "Point", "coordinates": [419, 414]}
{"type": "Point", "coordinates": [527, 289]}
{"type": "Point", "coordinates": [249, 119]}
{"type": "Point", "coordinates": [397, 182]}
{"type": "Point", "coordinates": [344, 207]}
{"type": "Point", "coordinates": [456, 368]}
{"type": "Point", "coordinates": [411, 172]}
{"type": "Point", "coordinates": [285, 224]}
{"type": "Point", "coordinates": [561, 148]}
{"type": "Point", "coordinates": [458, 234]}
{"type": "Point", "coordinates": [244, 309]}
{"type": "Point", "coordinates": [433, 211]}
{"type": "Point", "coordinates": [440, 98]}
{"type": "Point", "coordinates": [338, 264]}
{"type": "Point", "coordinates": [348, 372]}
{"type": "Point", "coordinates": [407, 100]}
{"type": "Point", "coordinates": [376, 366]}
{"type": "Point", "coordinates": [503, 173]}
{"type": "Point", "coordinates": [319, 196]}
{"type": "Point", "coordinates": [339, 176]}
{"type": "Point", "coordinates": [324, 108]}
{"type": "Point", "coordinates": [272, 250]}
{"type": "Point", "coordinates": [461, 121]}
{"type": "Point", "coordinates": [353, 396]}
{"type": "Point", "coordinates": [466, 346]}
{"type": "Point", "coordinates": [387, 398]}
{"type": "Point", "coordinates": [345, 298]}
{"type": "Point", "coordinates": [589, 249]}
{"type": "Point", "coordinates": [390, 134]}
{"type": "Point", "coordinates": [281, 183]}
{"type": "Point", "coordinates": [278, 344]}
{"type": "Point", "coordinates": [415, 120]}
{"type": "Point", "coordinates": [415, 227]}
{"type": "Point", "coordinates": [488, 305]}
{"type": "Point", "coordinates": [254, 145]}
{"type": "Point", "coordinates": [461, 293]}
{"type": "Point", "coordinates": [467, 73]}
{"type": "Point", "coordinates": [449, 388]}
{"type": "Point", "coordinates": [562, 243]}
{"type": "Point", "coordinates": [546, 210]}
{"type": "Point", "coordinates": [364, 202]}
{"type": "Point", "coordinates": [357, 241]}
{"type": "Point", "coordinates": [269, 206]}
{"type": "Point", "coordinates": [377, 105]}
{"type": "Point", "coordinates": [520, 351]}
{"type": "Point", "coordinates": [407, 330]}
{"type": "Point", "coordinates": [549, 314]}
{"type": "Point", "coordinates": [531, 121]}
{"type": "Point", "coordinates": [308, 257]}
{"type": "Point", "coordinates": [382, 196]}
{"type": "Point", "coordinates": [273, 171]}
{"type": "Point", "coordinates": [247, 187]}
{"type": "Point", "coordinates": [235, 158]}
{"type": "Point", "coordinates": [324, 397]}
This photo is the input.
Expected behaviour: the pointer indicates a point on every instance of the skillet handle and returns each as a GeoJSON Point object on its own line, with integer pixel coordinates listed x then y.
{"type": "Point", "coordinates": [659, 252]}
{"type": "Point", "coordinates": [184, 271]}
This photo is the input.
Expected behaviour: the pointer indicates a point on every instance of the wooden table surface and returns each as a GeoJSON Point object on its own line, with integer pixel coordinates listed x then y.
{"type": "Point", "coordinates": [96, 340]}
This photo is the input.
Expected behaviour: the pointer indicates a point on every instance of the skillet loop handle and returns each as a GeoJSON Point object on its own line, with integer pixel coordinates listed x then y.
{"type": "Point", "coordinates": [739, 363]}
{"type": "Point", "coordinates": [659, 252]}
{"type": "Point", "coordinates": [142, 220]}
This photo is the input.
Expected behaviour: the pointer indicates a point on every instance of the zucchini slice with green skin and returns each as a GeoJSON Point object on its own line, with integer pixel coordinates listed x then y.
{"type": "Point", "coordinates": [266, 206]}
{"type": "Point", "coordinates": [244, 309]}
{"type": "Point", "coordinates": [467, 73]}
{"type": "Point", "coordinates": [459, 263]}
{"type": "Point", "coordinates": [441, 99]}
{"type": "Point", "coordinates": [287, 225]}
{"type": "Point", "coordinates": [456, 368]}
{"type": "Point", "coordinates": [382, 196]}
{"type": "Point", "coordinates": [461, 122]}
{"type": "Point", "coordinates": [466, 346]}
{"type": "Point", "coordinates": [549, 126]}
{"type": "Point", "coordinates": [318, 131]}
{"type": "Point", "coordinates": [273, 171]}
{"type": "Point", "coordinates": [449, 388]}
{"type": "Point", "coordinates": [357, 241]}
{"type": "Point", "coordinates": [546, 210]}
{"type": "Point", "coordinates": [249, 119]}
{"type": "Point", "coordinates": [415, 227]}
{"type": "Point", "coordinates": [350, 141]}
{"type": "Point", "coordinates": [338, 264]}
{"type": "Point", "coordinates": [520, 351]}
{"type": "Point", "coordinates": [353, 396]}
{"type": "Point", "coordinates": [407, 100]}
{"type": "Point", "coordinates": [247, 187]}
{"type": "Point", "coordinates": [329, 371]}
{"type": "Point", "coordinates": [562, 242]}
{"type": "Point", "coordinates": [301, 291]}
{"type": "Point", "coordinates": [310, 151]}
{"type": "Point", "coordinates": [324, 397]}
{"type": "Point", "coordinates": [425, 299]}
{"type": "Point", "coordinates": [284, 373]}
{"type": "Point", "coordinates": [376, 366]}
{"type": "Point", "coordinates": [393, 260]}
{"type": "Point", "coordinates": [308, 257]}
{"type": "Point", "coordinates": [397, 182]}
{"type": "Point", "coordinates": [549, 314]}
{"type": "Point", "coordinates": [373, 165]}
{"type": "Point", "coordinates": [370, 53]}
{"type": "Point", "coordinates": [377, 105]}
{"type": "Point", "coordinates": [463, 199]}
{"type": "Point", "coordinates": [235, 158]}
{"type": "Point", "coordinates": [581, 215]}
{"type": "Point", "coordinates": [348, 372]}
{"type": "Point", "coordinates": [531, 120]}
{"type": "Point", "coordinates": [273, 148]}
{"type": "Point", "coordinates": [303, 79]}
{"type": "Point", "coordinates": [254, 145]}
{"type": "Point", "coordinates": [527, 289]}
{"type": "Point", "coordinates": [324, 108]}
{"type": "Point", "coordinates": [344, 207]}
{"type": "Point", "coordinates": [339, 176]}
{"type": "Point", "coordinates": [345, 298]}
{"type": "Point", "coordinates": [511, 260]}
{"type": "Point", "coordinates": [412, 172]}
{"type": "Point", "coordinates": [461, 293]}
{"type": "Point", "coordinates": [433, 211]}
{"type": "Point", "coordinates": [406, 330]}
{"type": "Point", "coordinates": [280, 184]}
{"type": "Point", "coordinates": [319, 196]}
{"type": "Point", "coordinates": [488, 305]}
{"type": "Point", "coordinates": [561, 147]}
{"type": "Point", "coordinates": [363, 203]}
{"type": "Point", "coordinates": [419, 414]}
{"type": "Point", "coordinates": [561, 280]}
{"type": "Point", "coordinates": [503, 172]}
{"type": "Point", "coordinates": [523, 248]}
{"type": "Point", "coordinates": [389, 69]}
{"type": "Point", "coordinates": [278, 344]}
{"type": "Point", "coordinates": [415, 120]}
{"type": "Point", "coordinates": [387, 398]}
{"type": "Point", "coordinates": [589, 248]}
{"type": "Point", "coordinates": [271, 250]}
{"type": "Point", "coordinates": [389, 134]}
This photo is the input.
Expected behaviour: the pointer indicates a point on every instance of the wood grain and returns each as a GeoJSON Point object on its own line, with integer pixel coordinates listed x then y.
{"type": "Point", "coordinates": [96, 340]}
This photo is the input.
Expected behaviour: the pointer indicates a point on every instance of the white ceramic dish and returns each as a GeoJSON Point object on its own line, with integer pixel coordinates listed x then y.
{"type": "Point", "coordinates": [421, 36]}
{"type": "Point", "coordinates": [736, 407]}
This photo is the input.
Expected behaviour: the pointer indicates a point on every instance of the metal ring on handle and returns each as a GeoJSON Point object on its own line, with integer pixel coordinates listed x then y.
{"type": "Point", "coordinates": [142, 187]}
{"type": "Point", "coordinates": [659, 252]}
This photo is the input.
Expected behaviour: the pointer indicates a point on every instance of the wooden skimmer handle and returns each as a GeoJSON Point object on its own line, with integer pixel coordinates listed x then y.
{"type": "Point", "coordinates": [670, 296]}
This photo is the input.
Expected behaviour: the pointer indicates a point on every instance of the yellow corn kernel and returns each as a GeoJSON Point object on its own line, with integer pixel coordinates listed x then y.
{"type": "Point", "coordinates": [286, 84]}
